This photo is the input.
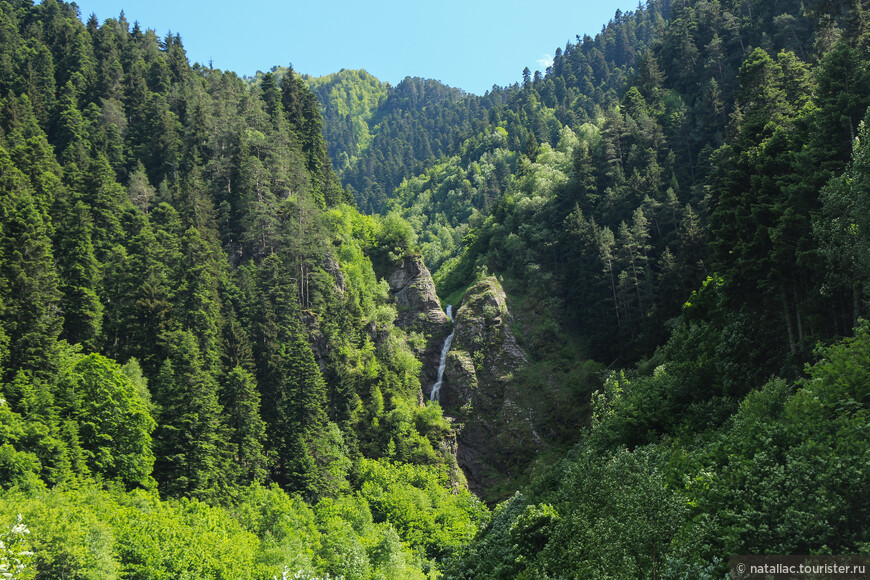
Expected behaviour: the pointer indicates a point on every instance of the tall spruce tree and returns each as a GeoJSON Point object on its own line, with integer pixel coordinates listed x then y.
{"type": "Point", "coordinates": [247, 430]}
{"type": "Point", "coordinates": [32, 317]}
{"type": "Point", "coordinates": [80, 271]}
{"type": "Point", "coordinates": [300, 410]}
{"type": "Point", "coordinates": [191, 441]}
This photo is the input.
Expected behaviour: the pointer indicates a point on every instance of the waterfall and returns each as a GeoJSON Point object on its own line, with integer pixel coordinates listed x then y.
{"type": "Point", "coordinates": [436, 389]}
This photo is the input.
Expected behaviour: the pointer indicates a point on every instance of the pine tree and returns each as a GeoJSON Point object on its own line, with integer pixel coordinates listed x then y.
{"type": "Point", "coordinates": [28, 280]}
{"type": "Point", "coordinates": [259, 220]}
{"type": "Point", "coordinates": [137, 284]}
{"type": "Point", "coordinates": [237, 351]}
{"type": "Point", "coordinates": [70, 136]}
{"type": "Point", "coordinates": [198, 303]}
{"type": "Point", "coordinates": [247, 430]}
{"type": "Point", "coordinates": [291, 98]}
{"type": "Point", "coordinates": [103, 196]}
{"type": "Point", "coordinates": [843, 98]}
{"type": "Point", "coordinates": [272, 96]}
{"type": "Point", "coordinates": [80, 271]}
{"type": "Point", "coordinates": [35, 158]}
{"type": "Point", "coordinates": [300, 406]}
{"type": "Point", "coordinates": [35, 76]}
{"type": "Point", "coordinates": [191, 441]}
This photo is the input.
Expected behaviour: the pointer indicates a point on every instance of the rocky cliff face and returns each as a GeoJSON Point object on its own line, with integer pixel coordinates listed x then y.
{"type": "Point", "coordinates": [496, 435]}
{"type": "Point", "coordinates": [419, 310]}
{"type": "Point", "coordinates": [495, 432]}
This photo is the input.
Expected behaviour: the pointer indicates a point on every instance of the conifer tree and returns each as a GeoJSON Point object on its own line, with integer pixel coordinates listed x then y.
{"type": "Point", "coordinates": [29, 284]}
{"type": "Point", "coordinates": [104, 197]}
{"type": "Point", "coordinates": [237, 351]}
{"type": "Point", "coordinates": [292, 100]}
{"type": "Point", "coordinates": [70, 136]}
{"type": "Point", "coordinates": [35, 76]}
{"type": "Point", "coordinates": [843, 97]}
{"type": "Point", "coordinates": [190, 442]}
{"type": "Point", "coordinates": [259, 220]}
{"type": "Point", "coordinates": [137, 283]}
{"type": "Point", "coordinates": [80, 271]}
{"type": "Point", "coordinates": [760, 225]}
{"type": "Point", "coordinates": [198, 303]}
{"type": "Point", "coordinates": [300, 409]}
{"type": "Point", "coordinates": [271, 96]}
{"type": "Point", "coordinates": [247, 430]}
{"type": "Point", "coordinates": [35, 158]}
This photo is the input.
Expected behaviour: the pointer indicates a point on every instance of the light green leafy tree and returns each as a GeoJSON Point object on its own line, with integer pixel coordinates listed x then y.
{"type": "Point", "coordinates": [114, 422]}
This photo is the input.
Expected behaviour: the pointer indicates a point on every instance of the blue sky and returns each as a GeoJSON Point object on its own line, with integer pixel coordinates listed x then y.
{"type": "Point", "coordinates": [470, 44]}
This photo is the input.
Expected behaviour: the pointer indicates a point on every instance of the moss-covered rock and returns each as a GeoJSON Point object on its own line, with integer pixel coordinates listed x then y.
{"type": "Point", "coordinates": [496, 435]}
{"type": "Point", "coordinates": [419, 310]}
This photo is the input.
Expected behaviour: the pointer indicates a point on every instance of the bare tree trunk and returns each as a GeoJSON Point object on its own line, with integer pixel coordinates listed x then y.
{"type": "Point", "coordinates": [791, 343]}
{"type": "Point", "coordinates": [797, 312]}
{"type": "Point", "coordinates": [615, 299]}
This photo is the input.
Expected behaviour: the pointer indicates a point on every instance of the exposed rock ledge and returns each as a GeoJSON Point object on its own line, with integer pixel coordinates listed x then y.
{"type": "Point", "coordinates": [419, 310]}
{"type": "Point", "coordinates": [495, 432]}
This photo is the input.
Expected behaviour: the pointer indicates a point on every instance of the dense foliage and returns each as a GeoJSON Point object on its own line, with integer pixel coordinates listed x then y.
{"type": "Point", "coordinates": [675, 198]}
{"type": "Point", "coordinates": [201, 377]}
{"type": "Point", "coordinates": [785, 474]}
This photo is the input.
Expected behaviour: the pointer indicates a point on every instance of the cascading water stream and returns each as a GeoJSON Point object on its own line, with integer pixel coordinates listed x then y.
{"type": "Point", "coordinates": [436, 389]}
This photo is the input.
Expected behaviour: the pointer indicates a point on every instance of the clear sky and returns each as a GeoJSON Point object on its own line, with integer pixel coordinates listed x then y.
{"type": "Point", "coordinates": [470, 44]}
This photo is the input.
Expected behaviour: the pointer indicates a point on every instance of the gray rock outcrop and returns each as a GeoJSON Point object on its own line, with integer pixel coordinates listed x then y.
{"type": "Point", "coordinates": [495, 432]}
{"type": "Point", "coordinates": [419, 310]}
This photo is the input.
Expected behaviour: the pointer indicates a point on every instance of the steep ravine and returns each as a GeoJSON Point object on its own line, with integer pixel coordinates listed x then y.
{"type": "Point", "coordinates": [419, 310]}
{"type": "Point", "coordinates": [435, 394]}
{"type": "Point", "coordinates": [469, 363]}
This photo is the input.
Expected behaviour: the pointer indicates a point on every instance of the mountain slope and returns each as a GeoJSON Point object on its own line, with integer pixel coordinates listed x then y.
{"type": "Point", "coordinates": [212, 364]}
{"type": "Point", "coordinates": [200, 371]}
{"type": "Point", "coordinates": [672, 199]}
{"type": "Point", "coordinates": [351, 100]}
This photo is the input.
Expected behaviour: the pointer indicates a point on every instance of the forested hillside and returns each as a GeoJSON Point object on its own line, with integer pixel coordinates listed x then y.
{"type": "Point", "coordinates": [421, 121]}
{"type": "Point", "coordinates": [214, 365]}
{"type": "Point", "coordinates": [680, 198]}
{"type": "Point", "coordinates": [623, 174]}
{"type": "Point", "coordinates": [627, 128]}
{"type": "Point", "coordinates": [201, 375]}
{"type": "Point", "coordinates": [401, 131]}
